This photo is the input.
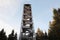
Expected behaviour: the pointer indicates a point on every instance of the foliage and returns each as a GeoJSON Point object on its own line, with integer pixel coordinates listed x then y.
{"type": "Point", "coordinates": [3, 35]}
{"type": "Point", "coordinates": [40, 35]}
{"type": "Point", "coordinates": [54, 31]}
{"type": "Point", "coordinates": [11, 36]}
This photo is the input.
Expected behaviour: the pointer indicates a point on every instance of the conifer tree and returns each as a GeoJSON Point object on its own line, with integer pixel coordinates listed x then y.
{"type": "Point", "coordinates": [3, 35]}
{"type": "Point", "coordinates": [12, 36]}
{"type": "Point", "coordinates": [39, 35]}
{"type": "Point", "coordinates": [15, 36]}
{"type": "Point", "coordinates": [45, 36]}
{"type": "Point", "coordinates": [54, 30]}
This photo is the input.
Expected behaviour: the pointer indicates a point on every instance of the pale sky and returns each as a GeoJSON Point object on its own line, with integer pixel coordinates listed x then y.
{"type": "Point", "coordinates": [11, 13]}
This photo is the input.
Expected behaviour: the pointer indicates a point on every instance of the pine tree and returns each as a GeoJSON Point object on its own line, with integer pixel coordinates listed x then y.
{"type": "Point", "coordinates": [3, 35]}
{"type": "Point", "coordinates": [39, 35]}
{"type": "Point", "coordinates": [54, 31]}
{"type": "Point", "coordinates": [12, 36]}
{"type": "Point", "coordinates": [45, 36]}
{"type": "Point", "coordinates": [15, 36]}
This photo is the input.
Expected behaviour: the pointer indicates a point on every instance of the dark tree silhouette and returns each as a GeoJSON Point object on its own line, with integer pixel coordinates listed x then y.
{"type": "Point", "coordinates": [54, 31]}
{"type": "Point", "coordinates": [3, 35]}
{"type": "Point", "coordinates": [12, 36]}
{"type": "Point", "coordinates": [45, 36]}
{"type": "Point", "coordinates": [15, 36]}
{"type": "Point", "coordinates": [39, 35]}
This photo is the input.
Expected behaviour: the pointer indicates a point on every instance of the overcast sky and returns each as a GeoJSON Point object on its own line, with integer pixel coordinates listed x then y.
{"type": "Point", "coordinates": [11, 13]}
